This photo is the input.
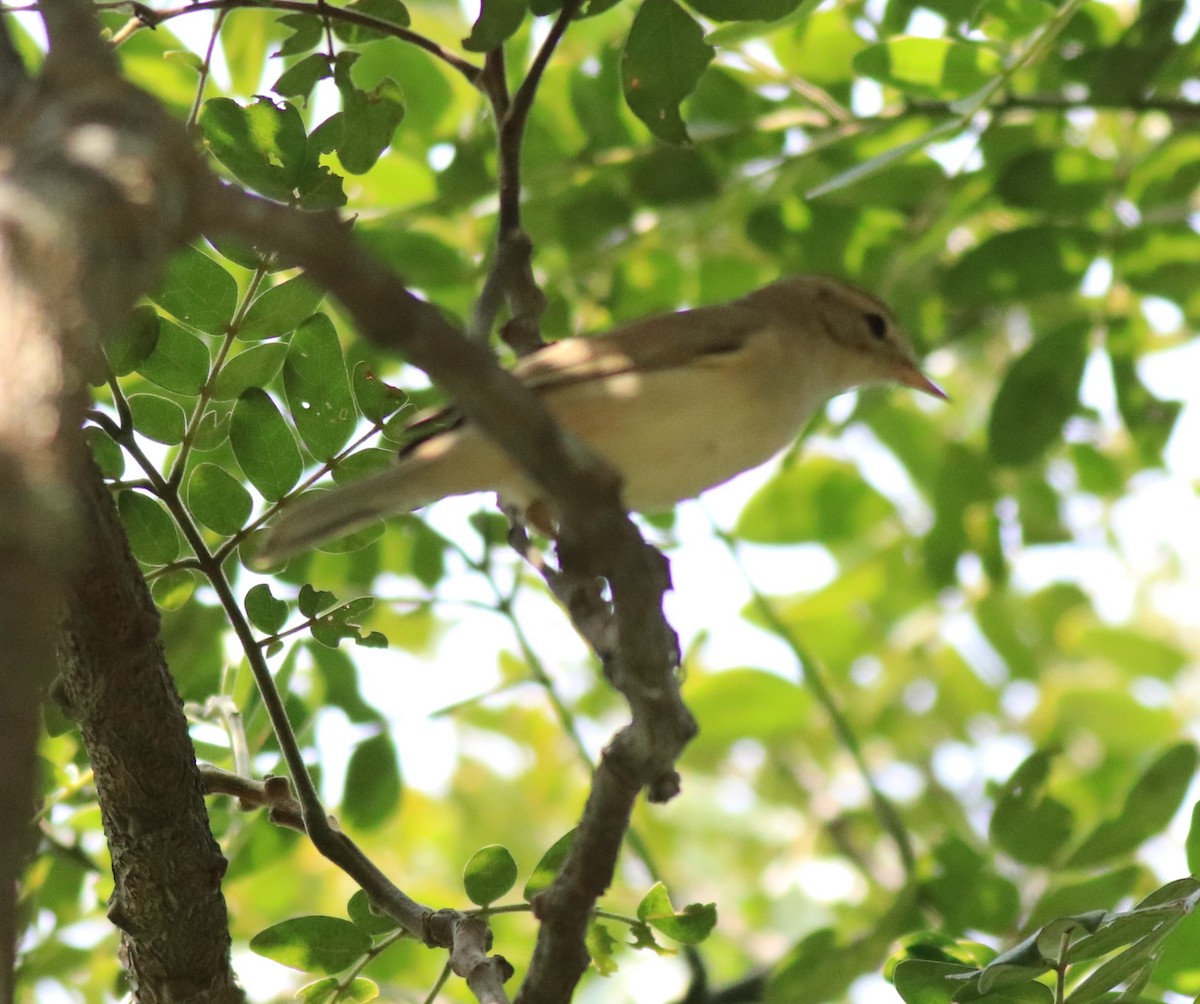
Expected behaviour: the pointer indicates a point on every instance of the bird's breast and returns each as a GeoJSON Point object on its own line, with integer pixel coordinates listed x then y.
{"type": "Point", "coordinates": [675, 432]}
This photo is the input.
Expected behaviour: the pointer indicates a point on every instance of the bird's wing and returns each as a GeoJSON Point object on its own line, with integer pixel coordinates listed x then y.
{"type": "Point", "coordinates": [655, 343]}
{"type": "Point", "coordinates": [702, 336]}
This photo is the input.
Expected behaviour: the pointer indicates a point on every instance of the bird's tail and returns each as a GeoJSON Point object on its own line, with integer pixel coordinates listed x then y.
{"type": "Point", "coordinates": [345, 509]}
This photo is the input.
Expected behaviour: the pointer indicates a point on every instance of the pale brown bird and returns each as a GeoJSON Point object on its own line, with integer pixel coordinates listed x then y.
{"type": "Point", "coordinates": [677, 402]}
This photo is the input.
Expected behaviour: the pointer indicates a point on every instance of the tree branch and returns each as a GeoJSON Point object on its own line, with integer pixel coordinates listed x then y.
{"type": "Point", "coordinates": [94, 193]}
{"type": "Point", "coordinates": [597, 538]}
{"type": "Point", "coordinates": [115, 683]}
{"type": "Point", "coordinates": [146, 17]}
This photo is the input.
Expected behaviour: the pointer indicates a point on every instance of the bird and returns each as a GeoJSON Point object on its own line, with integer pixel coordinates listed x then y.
{"type": "Point", "coordinates": [677, 402]}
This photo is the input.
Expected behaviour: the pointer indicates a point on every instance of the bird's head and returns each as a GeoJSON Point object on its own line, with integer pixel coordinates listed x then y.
{"type": "Point", "coordinates": [866, 343]}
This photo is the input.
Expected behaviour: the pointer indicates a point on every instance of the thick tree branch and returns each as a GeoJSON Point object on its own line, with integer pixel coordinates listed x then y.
{"type": "Point", "coordinates": [597, 538]}
{"type": "Point", "coordinates": [115, 682]}
{"type": "Point", "coordinates": [146, 17]}
{"type": "Point", "coordinates": [94, 194]}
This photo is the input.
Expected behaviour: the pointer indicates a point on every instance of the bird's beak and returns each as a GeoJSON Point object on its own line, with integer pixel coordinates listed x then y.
{"type": "Point", "coordinates": [910, 376]}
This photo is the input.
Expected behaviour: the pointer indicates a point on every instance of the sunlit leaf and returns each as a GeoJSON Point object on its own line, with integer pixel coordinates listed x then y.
{"type": "Point", "coordinates": [312, 944]}
{"type": "Point", "coordinates": [489, 874]}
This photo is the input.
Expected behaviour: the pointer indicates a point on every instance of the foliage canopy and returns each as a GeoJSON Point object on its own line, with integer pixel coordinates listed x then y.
{"type": "Point", "coordinates": [946, 702]}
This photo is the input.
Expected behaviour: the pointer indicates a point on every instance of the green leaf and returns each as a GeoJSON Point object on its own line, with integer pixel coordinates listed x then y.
{"type": "Point", "coordinates": [1151, 804]}
{"type": "Point", "coordinates": [967, 891]}
{"type": "Point", "coordinates": [547, 869]}
{"type": "Point", "coordinates": [933, 67]}
{"type": "Point", "coordinates": [1062, 181]}
{"type": "Point", "coordinates": [489, 874]}
{"type": "Point", "coordinates": [318, 389]}
{"type": "Point", "coordinates": [157, 418]}
{"type": "Point", "coordinates": [1026, 822]}
{"type": "Point", "coordinates": [744, 704]}
{"type": "Point", "coordinates": [671, 175]}
{"type": "Point", "coordinates": [133, 340]}
{"type": "Point", "coordinates": [373, 789]}
{"type": "Point", "coordinates": [818, 499]}
{"type": "Point", "coordinates": [300, 79]}
{"type": "Point", "coordinates": [198, 291]}
{"type": "Point", "coordinates": [313, 601]}
{"type": "Point", "coordinates": [596, 102]}
{"type": "Point", "coordinates": [1126, 967]}
{"type": "Point", "coordinates": [689, 927]}
{"type": "Point", "coordinates": [497, 21]}
{"type": "Point", "coordinates": [244, 41]}
{"type": "Point", "coordinates": [663, 60]}
{"type": "Point", "coordinates": [1021, 265]}
{"type": "Point", "coordinates": [256, 367]}
{"type": "Point", "coordinates": [179, 361]}
{"type": "Point", "coordinates": [307, 33]}
{"type": "Point", "coordinates": [331, 990]}
{"type": "Point", "coordinates": [312, 944]}
{"type": "Point", "coordinates": [1193, 841]}
{"type": "Point", "coordinates": [744, 10]}
{"type": "Point", "coordinates": [1039, 393]}
{"type": "Point", "coordinates": [217, 499]}
{"type": "Point", "coordinates": [423, 259]}
{"type": "Point", "coordinates": [151, 531]}
{"type": "Point", "coordinates": [369, 119]}
{"type": "Point", "coordinates": [601, 946]}
{"type": "Point", "coordinates": [391, 11]}
{"type": "Point", "coordinates": [1098, 893]}
{"type": "Point", "coordinates": [280, 309]}
{"type": "Point", "coordinates": [822, 47]}
{"type": "Point", "coordinates": [376, 399]}
{"type": "Point", "coordinates": [340, 676]}
{"type": "Point", "coordinates": [109, 457]}
{"type": "Point", "coordinates": [264, 446]}
{"type": "Point", "coordinates": [212, 431]}
{"type": "Point", "coordinates": [919, 981]}
{"type": "Point", "coordinates": [822, 966]}
{"type": "Point", "coordinates": [264, 145]}
{"type": "Point", "coordinates": [366, 918]}
{"type": "Point", "coordinates": [172, 590]}
{"type": "Point", "coordinates": [268, 613]}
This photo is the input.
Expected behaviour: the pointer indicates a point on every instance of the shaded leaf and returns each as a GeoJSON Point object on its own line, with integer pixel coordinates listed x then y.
{"type": "Point", "coordinates": [266, 612]}
{"type": "Point", "coordinates": [373, 788]}
{"type": "Point", "coordinates": [151, 531]}
{"type": "Point", "coordinates": [157, 418]}
{"type": "Point", "coordinates": [217, 499]}
{"type": "Point", "coordinates": [256, 367]}
{"type": "Point", "coordinates": [368, 118]}
{"type": "Point", "coordinates": [280, 309]}
{"type": "Point", "coordinates": [663, 59]}
{"type": "Point", "coordinates": [179, 361]}
{"type": "Point", "coordinates": [263, 445]}
{"type": "Point", "coordinates": [198, 292]}
{"type": "Point", "coordinates": [318, 389]}
{"type": "Point", "coordinates": [133, 340]}
{"type": "Point", "coordinates": [1039, 393]}
{"type": "Point", "coordinates": [497, 21]}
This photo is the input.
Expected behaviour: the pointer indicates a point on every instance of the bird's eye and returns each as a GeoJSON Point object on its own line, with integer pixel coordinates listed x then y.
{"type": "Point", "coordinates": [877, 324]}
